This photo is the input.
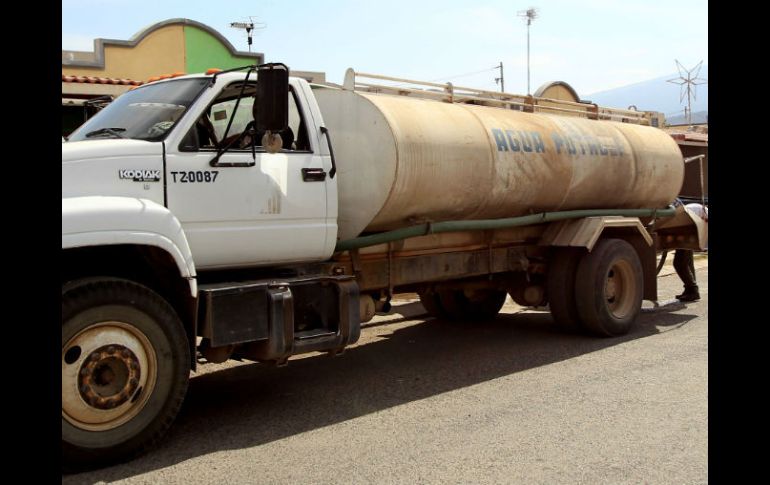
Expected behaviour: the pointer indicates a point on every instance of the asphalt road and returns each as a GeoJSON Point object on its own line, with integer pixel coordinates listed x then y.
{"type": "Point", "coordinates": [423, 401]}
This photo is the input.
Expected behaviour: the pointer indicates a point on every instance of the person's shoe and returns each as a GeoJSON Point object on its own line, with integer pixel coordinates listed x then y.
{"type": "Point", "coordinates": [690, 294]}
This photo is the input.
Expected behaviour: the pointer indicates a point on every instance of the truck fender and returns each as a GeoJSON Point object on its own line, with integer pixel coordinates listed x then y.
{"type": "Point", "coordinates": [585, 233]}
{"type": "Point", "coordinates": [100, 221]}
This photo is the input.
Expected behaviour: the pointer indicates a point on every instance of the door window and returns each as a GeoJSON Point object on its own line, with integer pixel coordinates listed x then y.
{"type": "Point", "coordinates": [208, 133]}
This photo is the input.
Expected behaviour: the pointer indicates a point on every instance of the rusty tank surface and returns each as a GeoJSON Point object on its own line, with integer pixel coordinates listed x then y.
{"type": "Point", "coordinates": [405, 160]}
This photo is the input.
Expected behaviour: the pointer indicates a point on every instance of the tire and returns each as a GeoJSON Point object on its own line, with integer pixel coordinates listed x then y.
{"type": "Point", "coordinates": [473, 305]}
{"type": "Point", "coordinates": [125, 370]}
{"type": "Point", "coordinates": [560, 288]}
{"type": "Point", "coordinates": [432, 304]}
{"type": "Point", "coordinates": [609, 288]}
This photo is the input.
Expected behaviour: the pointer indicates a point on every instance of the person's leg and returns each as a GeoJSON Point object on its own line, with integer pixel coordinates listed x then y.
{"type": "Point", "coordinates": [685, 269]}
{"type": "Point", "coordinates": [691, 261]}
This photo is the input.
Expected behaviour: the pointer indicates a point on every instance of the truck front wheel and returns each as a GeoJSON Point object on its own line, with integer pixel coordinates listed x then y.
{"type": "Point", "coordinates": [609, 288]}
{"type": "Point", "coordinates": [125, 369]}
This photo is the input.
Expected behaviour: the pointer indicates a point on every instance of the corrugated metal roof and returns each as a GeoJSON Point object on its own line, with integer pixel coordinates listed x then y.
{"type": "Point", "coordinates": [99, 80]}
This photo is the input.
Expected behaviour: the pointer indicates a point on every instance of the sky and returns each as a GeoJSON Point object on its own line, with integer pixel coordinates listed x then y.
{"type": "Point", "coordinates": [593, 45]}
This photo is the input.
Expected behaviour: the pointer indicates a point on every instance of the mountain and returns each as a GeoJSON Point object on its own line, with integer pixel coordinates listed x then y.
{"type": "Point", "coordinates": [698, 118]}
{"type": "Point", "coordinates": [655, 95]}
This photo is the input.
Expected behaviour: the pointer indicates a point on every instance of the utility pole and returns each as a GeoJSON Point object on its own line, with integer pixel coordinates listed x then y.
{"type": "Point", "coordinates": [500, 79]}
{"type": "Point", "coordinates": [530, 14]}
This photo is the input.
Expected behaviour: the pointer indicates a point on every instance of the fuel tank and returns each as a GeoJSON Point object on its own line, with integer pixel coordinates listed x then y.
{"type": "Point", "coordinates": [404, 160]}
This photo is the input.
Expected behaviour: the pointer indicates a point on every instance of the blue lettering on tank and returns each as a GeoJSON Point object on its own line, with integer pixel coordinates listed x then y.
{"type": "Point", "coordinates": [526, 144]}
{"type": "Point", "coordinates": [500, 140]}
{"type": "Point", "coordinates": [581, 140]}
{"type": "Point", "coordinates": [512, 141]}
{"type": "Point", "coordinates": [618, 146]}
{"type": "Point", "coordinates": [538, 142]}
{"type": "Point", "coordinates": [593, 147]}
{"type": "Point", "coordinates": [571, 146]}
{"type": "Point", "coordinates": [574, 143]}
{"type": "Point", "coordinates": [558, 141]}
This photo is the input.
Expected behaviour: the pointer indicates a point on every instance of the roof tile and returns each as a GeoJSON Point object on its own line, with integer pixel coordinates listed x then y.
{"type": "Point", "coordinates": [99, 80]}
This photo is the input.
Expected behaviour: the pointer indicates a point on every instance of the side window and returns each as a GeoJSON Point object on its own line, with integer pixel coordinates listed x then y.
{"type": "Point", "coordinates": [221, 113]}
{"type": "Point", "coordinates": [211, 127]}
{"type": "Point", "coordinates": [209, 131]}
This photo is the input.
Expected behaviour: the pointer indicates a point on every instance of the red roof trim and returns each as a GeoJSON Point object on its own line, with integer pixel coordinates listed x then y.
{"type": "Point", "coordinates": [99, 80]}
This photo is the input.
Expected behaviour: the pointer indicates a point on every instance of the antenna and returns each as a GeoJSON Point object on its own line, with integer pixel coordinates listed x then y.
{"type": "Point", "coordinates": [248, 27]}
{"type": "Point", "coordinates": [688, 80]}
{"type": "Point", "coordinates": [530, 14]}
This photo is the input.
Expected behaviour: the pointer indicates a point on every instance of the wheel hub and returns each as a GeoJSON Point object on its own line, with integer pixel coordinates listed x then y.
{"type": "Point", "coordinates": [109, 376]}
{"type": "Point", "coordinates": [618, 289]}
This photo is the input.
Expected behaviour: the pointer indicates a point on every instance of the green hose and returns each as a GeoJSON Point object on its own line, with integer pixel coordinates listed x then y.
{"type": "Point", "coordinates": [483, 224]}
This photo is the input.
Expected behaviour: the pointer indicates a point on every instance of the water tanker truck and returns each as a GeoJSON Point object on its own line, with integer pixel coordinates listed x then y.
{"type": "Point", "coordinates": [251, 215]}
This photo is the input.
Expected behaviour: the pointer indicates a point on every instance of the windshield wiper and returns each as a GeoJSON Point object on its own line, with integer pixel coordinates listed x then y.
{"type": "Point", "coordinates": [111, 131]}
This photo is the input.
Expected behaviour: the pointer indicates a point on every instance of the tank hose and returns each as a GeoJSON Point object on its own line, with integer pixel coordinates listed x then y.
{"type": "Point", "coordinates": [485, 224]}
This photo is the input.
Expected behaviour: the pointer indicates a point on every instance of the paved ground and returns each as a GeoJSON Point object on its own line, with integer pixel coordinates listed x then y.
{"type": "Point", "coordinates": [423, 401]}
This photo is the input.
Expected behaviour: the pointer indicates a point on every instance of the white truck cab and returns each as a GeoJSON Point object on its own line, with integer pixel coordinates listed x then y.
{"type": "Point", "coordinates": [157, 144]}
{"type": "Point", "coordinates": [176, 177]}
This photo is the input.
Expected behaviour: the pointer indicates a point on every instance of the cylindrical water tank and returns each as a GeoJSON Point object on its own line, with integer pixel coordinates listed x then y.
{"type": "Point", "coordinates": [405, 160]}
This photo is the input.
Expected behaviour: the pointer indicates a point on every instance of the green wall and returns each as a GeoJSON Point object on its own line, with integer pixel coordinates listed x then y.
{"type": "Point", "coordinates": [204, 51]}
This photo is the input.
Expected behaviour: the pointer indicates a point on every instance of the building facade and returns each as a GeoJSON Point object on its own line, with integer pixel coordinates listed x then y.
{"type": "Point", "coordinates": [175, 46]}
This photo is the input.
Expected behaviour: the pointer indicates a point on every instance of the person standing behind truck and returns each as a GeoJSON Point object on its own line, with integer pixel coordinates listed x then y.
{"type": "Point", "coordinates": [684, 264]}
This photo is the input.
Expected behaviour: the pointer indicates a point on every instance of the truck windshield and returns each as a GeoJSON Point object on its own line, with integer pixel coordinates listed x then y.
{"type": "Point", "coordinates": [146, 113]}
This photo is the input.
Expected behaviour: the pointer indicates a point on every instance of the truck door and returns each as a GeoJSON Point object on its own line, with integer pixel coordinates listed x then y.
{"type": "Point", "coordinates": [246, 211]}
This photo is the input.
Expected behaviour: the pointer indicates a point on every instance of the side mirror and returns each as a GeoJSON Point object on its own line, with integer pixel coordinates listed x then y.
{"type": "Point", "coordinates": [271, 107]}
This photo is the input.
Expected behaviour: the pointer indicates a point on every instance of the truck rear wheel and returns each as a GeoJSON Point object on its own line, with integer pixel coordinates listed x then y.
{"type": "Point", "coordinates": [560, 288]}
{"type": "Point", "coordinates": [474, 305]}
{"type": "Point", "coordinates": [609, 288]}
{"type": "Point", "coordinates": [432, 303]}
{"type": "Point", "coordinates": [125, 369]}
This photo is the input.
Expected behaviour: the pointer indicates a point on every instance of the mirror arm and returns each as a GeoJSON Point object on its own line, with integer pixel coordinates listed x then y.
{"type": "Point", "coordinates": [221, 150]}
{"type": "Point", "coordinates": [237, 103]}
